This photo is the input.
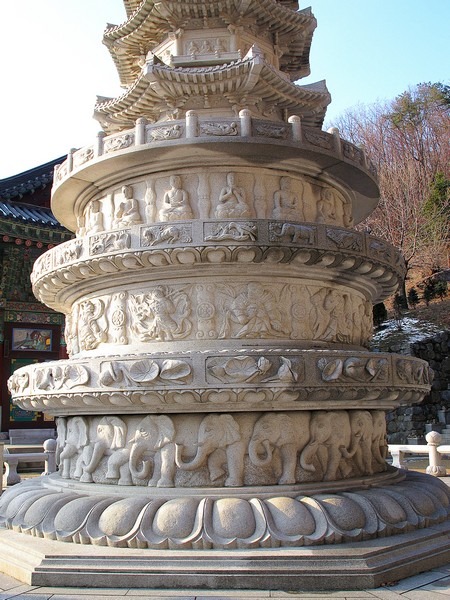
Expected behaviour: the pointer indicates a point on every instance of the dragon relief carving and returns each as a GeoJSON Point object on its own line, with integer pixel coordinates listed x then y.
{"type": "Point", "coordinates": [109, 242]}
{"type": "Point", "coordinates": [236, 231]}
{"type": "Point", "coordinates": [166, 234]}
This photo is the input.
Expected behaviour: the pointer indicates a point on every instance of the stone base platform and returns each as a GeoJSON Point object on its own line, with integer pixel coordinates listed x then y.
{"type": "Point", "coordinates": [346, 566]}
{"type": "Point", "coordinates": [404, 529]}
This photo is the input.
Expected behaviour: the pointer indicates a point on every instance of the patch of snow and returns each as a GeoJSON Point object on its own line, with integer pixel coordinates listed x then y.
{"type": "Point", "coordinates": [397, 335]}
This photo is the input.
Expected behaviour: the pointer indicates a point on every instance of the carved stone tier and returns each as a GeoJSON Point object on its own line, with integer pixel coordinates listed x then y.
{"type": "Point", "coordinates": [314, 160]}
{"type": "Point", "coordinates": [368, 508]}
{"type": "Point", "coordinates": [365, 267]}
{"type": "Point", "coordinates": [196, 381]}
{"type": "Point", "coordinates": [219, 397]}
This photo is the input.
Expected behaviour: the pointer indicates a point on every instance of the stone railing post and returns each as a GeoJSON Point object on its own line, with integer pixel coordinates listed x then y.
{"type": "Point", "coordinates": [140, 131]}
{"type": "Point", "coordinates": [70, 159]}
{"type": "Point", "coordinates": [11, 476]}
{"type": "Point", "coordinates": [398, 458]}
{"type": "Point", "coordinates": [50, 458]}
{"type": "Point", "coordinates": [191, 124]}
{"type": "Point", "coordinates": [246, 122]}
{"type": "Point", "coordinates": [435, 466]}
{"type": "Point", "coordinates": [99, 143]}
{"type": "Point", "coordinates": [334, 131]}
{"type": "Point", "coordinates": [296, 124]}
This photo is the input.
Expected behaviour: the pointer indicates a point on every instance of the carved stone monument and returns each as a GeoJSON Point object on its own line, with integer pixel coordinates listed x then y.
{"type": "Point", "coordinates": [220, 418]}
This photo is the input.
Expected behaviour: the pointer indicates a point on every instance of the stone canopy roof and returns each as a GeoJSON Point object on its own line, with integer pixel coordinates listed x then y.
{"type": "Point", "coordinates": [161, 91]}
{"type": "Point", "coordinates": [149, 22]}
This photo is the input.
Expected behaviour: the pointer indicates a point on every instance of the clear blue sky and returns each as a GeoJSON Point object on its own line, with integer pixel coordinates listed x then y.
{"type": "Point", "coordinates": [53, 64]}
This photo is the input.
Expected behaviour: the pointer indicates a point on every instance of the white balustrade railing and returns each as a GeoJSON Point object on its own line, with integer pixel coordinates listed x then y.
{"type": "Point", "coordinates": [244, 126]}
{"type": "Point", "coordinates": [11, 461]}
{"type": "Point", "coordinates": [433, 449]}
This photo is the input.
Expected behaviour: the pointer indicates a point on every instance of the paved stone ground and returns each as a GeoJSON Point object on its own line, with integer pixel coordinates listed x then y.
{"type": "Point", "coordinates": [432, 585]}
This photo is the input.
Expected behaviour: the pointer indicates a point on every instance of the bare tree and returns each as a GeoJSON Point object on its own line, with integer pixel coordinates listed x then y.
{"type": "Point", "coordinates": [408, 140]}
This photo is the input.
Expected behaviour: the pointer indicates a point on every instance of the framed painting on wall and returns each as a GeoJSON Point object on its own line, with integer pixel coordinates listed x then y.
{"type": "Point", "coordinates": [32, 339]}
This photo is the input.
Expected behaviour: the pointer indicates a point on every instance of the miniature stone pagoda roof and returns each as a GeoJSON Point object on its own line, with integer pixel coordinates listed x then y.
{"type": "Point", "coordinates": [148, 23]}
{"type": "Point", "coordinates": [161, 90]}
{"type": "Point", "coordinates": [212, 56]}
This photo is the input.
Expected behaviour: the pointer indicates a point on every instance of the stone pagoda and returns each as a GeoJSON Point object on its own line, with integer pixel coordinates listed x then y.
{"type": "Point", "coordinates": [221, 422]}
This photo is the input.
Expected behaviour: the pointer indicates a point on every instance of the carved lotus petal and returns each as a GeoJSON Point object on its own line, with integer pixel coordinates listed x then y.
{"type": "Point", "coordinates": [353, 367]}
{"type": "Point", "coordinates": [184, 398]}
{"type": "Point", "coordinates": [241, 367]}
{"type": "Point", "coordinates": [77, 375]}
{"type": "Point", "coordinates": [264, 364]}
{"type": "Point", "coordinates": [119, 399]}
{"type": "Point", "coordinates": [219, 397]}
{"type": "Point", "coordinates": [144, 370]}
{"type": "Point", "coordinates": [331, 369]}
{"type": "Point", "coordinates": [107, 266]}
{"type": "Point", "coordinates": [175, 369]}
{"type": "Point", "coordinates": [376, 366]}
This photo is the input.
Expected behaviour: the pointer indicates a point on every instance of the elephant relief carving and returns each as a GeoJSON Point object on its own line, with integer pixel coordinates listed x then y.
{"type": "Point", "coordinates": [360, 450]}
{"type": "Point", "coordinates": [110, 441]}
{"type": "Point", "coordinates": [75, 434]}
{"type": "Point", "coordinates": [153, 445]}
{"type": "Point", "coordinates": [220, 442]}
{"type": "Point", "coordinates": [330, 433]}
{"type": "Point", "coordinates": [283, 433]}
{"type": "Point", "coordinates": [379, 443]}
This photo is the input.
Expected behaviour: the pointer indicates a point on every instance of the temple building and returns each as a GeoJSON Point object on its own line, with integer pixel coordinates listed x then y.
{"type": "Point", "coordinates": [29, 331]}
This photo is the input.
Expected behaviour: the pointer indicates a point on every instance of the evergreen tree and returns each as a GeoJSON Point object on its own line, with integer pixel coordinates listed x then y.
{"type": "Point", "coordinates": [413, 297]}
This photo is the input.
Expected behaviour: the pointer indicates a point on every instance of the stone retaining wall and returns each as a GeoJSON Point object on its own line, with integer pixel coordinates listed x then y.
{"type": "Point", "coordinates": [409, 420]}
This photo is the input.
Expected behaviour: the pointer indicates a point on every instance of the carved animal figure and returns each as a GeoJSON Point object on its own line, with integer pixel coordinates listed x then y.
{"type": "Point", "coordinates": [379, 444]}
{"type": "Point", "coordinates": [158, 235]}
{"type": "Point", "coordinates": [110, 442]}
{"type": "Point", "coordinates": [361, 446]}
{"type": "Point", "coordinates": [75, 441]}
{"type": "Point", "coordinates": [220, 442]}
{"type": "Point", "coordinates": [293, 234]}
{"type": "Point", "coordinates": [330, 433]}
{"type": "Point", "coordinates": [153, 445]}
{"type": "Point", "coordinates": [279, 431]}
